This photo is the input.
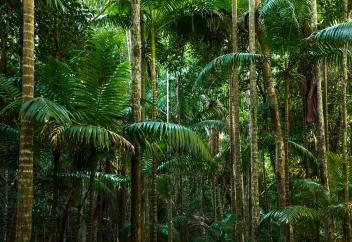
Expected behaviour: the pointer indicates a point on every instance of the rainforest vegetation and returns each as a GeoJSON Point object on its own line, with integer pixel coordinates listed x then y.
{"type": "Point", "coordinates": [175, 120]}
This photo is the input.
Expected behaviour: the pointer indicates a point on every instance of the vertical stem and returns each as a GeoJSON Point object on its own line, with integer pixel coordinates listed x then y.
{"type": "Point", "coordinates": [235, 134]}
{"type": "Point", "coordinates": [253, 125]}
{"type": "Point", "coordinates": [53, 218]}
{"type": "Point", "coordinates": [326, 105]}
{"type": "Point", "coordinates": [25, 181]}
{"type": "Point", "coordinates": [346, 195]}
{"type": "Point", "coordinates": [319, 76]}
{"type": "Point", "coordinates": [136, 198]}
{"type": "Point", "coordinates": [169, 220]}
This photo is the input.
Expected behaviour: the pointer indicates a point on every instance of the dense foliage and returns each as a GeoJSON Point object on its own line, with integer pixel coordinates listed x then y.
{"type": "Point", "coordinates": [236, 113]}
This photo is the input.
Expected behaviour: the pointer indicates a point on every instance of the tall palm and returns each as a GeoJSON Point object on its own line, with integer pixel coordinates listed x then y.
{"type": "Point", "coordinates": [345, 81]}
{"type": "Point", "coordinates": [273, 101]}
{"type": "Point", "coordinates": [136, 200]}
{"type": "Point", "coordinates": [237, 197]}
{"type": "Point", "coordinates": [253, 125]}
{"type": "Point", "coordinates": [320, 120]}
{"type": "Point", "coordinates": [25, 181]}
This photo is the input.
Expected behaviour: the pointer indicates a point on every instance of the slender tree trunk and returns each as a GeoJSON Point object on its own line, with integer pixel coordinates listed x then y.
{"type": "Point", "coordinates": [154, 199]}
{"type": "Point", "coordinates": [25, 181]}
{"type": "Point", "coordinates": [235, 133]}
{"type": "Point", "coordinates": [144, 205]}
{"type": "Point", "coordinates": [153, 73]}
{"type": "Point", "coordinates": [136, 228]}
{"type": "Point", "coordinates": [6, 203]}
{"type": "Point", "coordinates": [170, 237]}
{"type": "Point", "coordinates": [253, 126]}
{"type": "Point", "coordinates": [326, 104]}
{"type": "Point", "coordinates": [275, 115]}
{"type": "Point", "coordinates": [65, 217]}
{"type": "Point", "coordinates": [4, 47]}
{"type": "Point", "coordinates": [319, 76]}
{"type": "Point", "coordinates": [154, 195]}
{"type": "Point", "coordinates": [90, 220]}
{"type": "Point", "coordinates": [53, 218]}
{"type": "Point", "coordinates": [346, 195]}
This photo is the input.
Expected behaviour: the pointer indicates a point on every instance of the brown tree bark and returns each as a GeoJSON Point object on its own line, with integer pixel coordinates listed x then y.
{"type": "Point", "coordinates": [237, 195]}
{"type": "Point", "coordinates": [154, 196]}
{"type": "Point", "coordinates": [319, 76]}
{"type": "Point", "coordinates": [344, 148]}
{"type": "Point", "coordinates": [53, 217]}
{"type": "Point", "coordinates": [25, 181]}
{"type": "Point", "coordinates": [136, 228]}
{"type": "Point", "coordinates": [253, 126]}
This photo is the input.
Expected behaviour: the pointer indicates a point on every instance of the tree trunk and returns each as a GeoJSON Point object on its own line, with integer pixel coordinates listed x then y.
{"type": "Point", "coordinates": [136, 228]}
{"type": "Point", "coordinates": [253, 126]}
{"type": "Point", "coordinates": [25, 181]}
{"type": "Point", "coordinates": [325, 104]}
{"type": "Point", "coordinates": [275, 115]}
{"type": "Point", "coordinates": [170, 236]}
{"type": "Point", "coordinates": [154, 195]}
{"type": "Point", "coordinates": [346, 198]}
{"type": "Point", "coordinates": [4, 47]}
{"type": "Point", "coordinates": [319, 76]}
{"type": "Point", "coordinates": [237, 196]}
{"type": "Point", "coordinates": [53, 217]}
{"type": "Point", "coordinates": [90, 221]}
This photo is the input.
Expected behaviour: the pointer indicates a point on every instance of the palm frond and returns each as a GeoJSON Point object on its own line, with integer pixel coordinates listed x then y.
{"type": "Point", "coordinates": [304, 153]}
{"type": "Point", "coordinates": [340, 32]}
{"type": "Point", "coordinates": [269, 5]}
{"type": "Point", "coordinates": [309, 185]}
{"type": "Point", "coordinates": [11, 107]}
{"type": "Point", "coordinates": [7, 87]}
{"type": "Point", "coordinates": [42, 110]}
{"type": "Point", "coordinates": [226, 61]}
{"type": "Point", "coordinates": [102, 182]}
{"type": "Point", "coordinates": [8, 131]}
{"type": "Point", "coordinates": [178, 137]}
{"type": "Point", "coordinates": [292, 215]}
{"type": "Point", "coordinates": [209, 124]}
{"type": "Point", "coordinates": [97, 136]}
{"type": "Point", "coordinates": [102, 91]}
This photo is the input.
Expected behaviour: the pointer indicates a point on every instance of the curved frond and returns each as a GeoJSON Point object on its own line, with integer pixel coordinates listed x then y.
{"type": "Point", "coordinates": [208, 124]}
{"type": "Point", "coordinates": [43, 110]}
{"type": "Point", "coordinates": [97, 136]}
{"type": "Point", "coordinates": [7, 88]}
{"type": "Point", "coordinates": [8, 131]}
{"type": "Point", "coordinates": [178, 137]}
{"type": "Point", "coordinates": [293, 214]}
{"type": "Point", "coordinates": [102, 182]}
{"type": "Point", "coordinates": [340, 32]}
{"type": "Point", "coordinates": [304, 153]}
{"type": "Point", "coordinates": [226, 61]}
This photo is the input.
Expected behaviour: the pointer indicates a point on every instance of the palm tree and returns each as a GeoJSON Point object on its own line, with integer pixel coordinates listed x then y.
{"type": "Point", "coordinates": [319, 75]}
{"type": "Point", "coordinates": [253, 125]}
{"type": "Point", "coordinates": [272, 100]}
{"type": "Point", "coordinates": [345, 81]}
{"type": "Point", "coordinates": [136, 199]}
{"type": "Point", "coordinates": [235, 141]}
{"type": "Point", "coordinates": [25, 181]}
